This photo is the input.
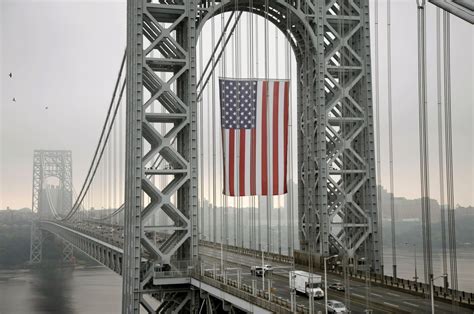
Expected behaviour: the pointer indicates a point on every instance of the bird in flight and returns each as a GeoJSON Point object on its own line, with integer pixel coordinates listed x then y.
{"type": "Point", "coordinates": [10, 75]}
{"type": "Point", "coordinates": [46, 107]}
{"type": "Point", "coordinates": [14, 99]}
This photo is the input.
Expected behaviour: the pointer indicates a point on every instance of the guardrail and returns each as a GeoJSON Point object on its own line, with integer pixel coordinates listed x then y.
{"type": "Point", "coordinates": [420, 288]}
{"type": "Point", "coordinates": [249, 252]}
{"type": "Point", "coordinates": [248, 293]}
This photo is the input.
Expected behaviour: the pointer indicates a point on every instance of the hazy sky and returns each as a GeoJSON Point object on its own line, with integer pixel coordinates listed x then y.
{"type": "Point", "coordinates": [65, 55]}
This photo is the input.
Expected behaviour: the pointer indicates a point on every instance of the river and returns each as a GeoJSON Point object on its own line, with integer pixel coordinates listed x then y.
{"type": "Point", "coordinates": [94, 290]}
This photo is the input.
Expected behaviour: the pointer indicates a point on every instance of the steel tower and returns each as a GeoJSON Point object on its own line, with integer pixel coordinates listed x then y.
{"type": "Point", "coordinates": [336, 157]}
{"type": "Point", "coordinates": [46, 164]}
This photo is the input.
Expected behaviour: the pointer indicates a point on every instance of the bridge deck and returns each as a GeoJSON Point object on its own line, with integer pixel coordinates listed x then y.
{"type": "Point", "coordinates": [104, 244]}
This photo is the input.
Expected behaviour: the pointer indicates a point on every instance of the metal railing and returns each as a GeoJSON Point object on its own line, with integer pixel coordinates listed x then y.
{"type": "Point", "coordinates": [419, 288]}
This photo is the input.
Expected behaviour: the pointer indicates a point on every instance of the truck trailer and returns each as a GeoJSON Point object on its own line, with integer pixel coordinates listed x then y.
{"type": "Point", "coordinates": [307, 283]}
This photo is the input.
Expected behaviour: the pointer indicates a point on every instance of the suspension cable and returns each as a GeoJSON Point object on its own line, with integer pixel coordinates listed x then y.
{"type": "Point", "coordinates": [96, 158]}
{"type": "Point", "coordinates": [94, 169]}
{"type": "Point", "coordinates": [390, 138]}
{"type": "Point", "coordinates": [423, 135]}
{"type": "Point", "coordinates": [449, 155]}
{"type": "Point", "coordinates": [440, 147]}
{"type": "Point", "coordinates": [377, 126]}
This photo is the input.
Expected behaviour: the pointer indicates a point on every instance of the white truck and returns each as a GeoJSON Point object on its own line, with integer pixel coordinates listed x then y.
{"type": "Point", "coordinates": [307, 283]}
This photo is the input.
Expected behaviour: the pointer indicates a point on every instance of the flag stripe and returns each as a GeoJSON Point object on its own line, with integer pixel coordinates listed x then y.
{"type": "Point", "coordinates": [281, 143]}
{"type": "Point", "coordinates": [285, 137]}
{"type": "Point", "coordinates": [248, 151]}
{"type": "Point", "coordinates": [264, 139]}
{"type": "Point", "coordinates": [253, 177]}
{"type": "Point", "coordinates": [275, 138]}
{"type": "Point", "coordinates": [259, 152]}
{"type": "Point", "coordinates": [225, 145]}
{"type": "Point", "coordinates": [231, 161]}
{"type": "Point", "coordinates": [242, 163]}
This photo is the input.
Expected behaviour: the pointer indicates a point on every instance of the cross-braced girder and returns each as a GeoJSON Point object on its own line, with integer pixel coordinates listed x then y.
{"type": "Point", "coordinates": [161, 143]}
{"type": "Point", "coordinates": [36, 244]}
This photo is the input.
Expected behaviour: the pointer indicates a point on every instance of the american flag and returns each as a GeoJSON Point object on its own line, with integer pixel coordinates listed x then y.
{"type": "Point", "coordinates": [254, 121]}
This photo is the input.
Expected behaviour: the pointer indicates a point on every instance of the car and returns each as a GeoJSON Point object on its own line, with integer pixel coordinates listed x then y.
{"type": "Point", "coordinates": [337, 286]}
{"type": "Point", "coordinates": [259, 270]}
{"type": "Point", "coordinates": [336, 307]}
{"type": "Point", "coordinates": [256, 270]}
{"type": "Point", "coordinates": [268, 268]}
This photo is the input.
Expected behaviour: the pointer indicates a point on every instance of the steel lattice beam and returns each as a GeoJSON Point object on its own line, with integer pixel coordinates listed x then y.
{"type": "Point", "coordinates": [161, 41]}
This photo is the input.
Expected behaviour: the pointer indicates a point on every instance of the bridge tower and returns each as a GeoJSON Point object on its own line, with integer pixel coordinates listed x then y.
{"type": "Point", "coordinates": [46, 164]}
{"type": "Point", "coordinates": [337, 205]}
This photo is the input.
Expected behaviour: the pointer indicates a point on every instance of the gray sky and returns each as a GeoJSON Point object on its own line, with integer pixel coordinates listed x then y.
{"type": "Point", "coordinates": [66, 54]}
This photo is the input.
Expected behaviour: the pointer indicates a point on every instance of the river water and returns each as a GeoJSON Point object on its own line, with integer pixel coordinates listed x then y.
{"type": "Point", "coordinates": [93, 290]}
{"type": "Point", "coordinates": [97, 290]}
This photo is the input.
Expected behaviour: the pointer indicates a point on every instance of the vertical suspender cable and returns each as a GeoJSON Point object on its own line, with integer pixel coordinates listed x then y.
{"type": "Point", "coordinates": [234, 75]}
{"type": "Point", "coordinates": [290, 198]}
{"type": "Point", "coordinates": [257, 57]}
{"type": "Point", "coordinates": [377, 126]}
{"type": "Point", "coordinates": [225, 211]}
{"type": "Point", "coordinates": [213, 127]}
{"type": "Point", "coordinates": [209, 166]}
{"type": "Point", "coordinates": [269, 160]}
{"type": "Point", "coordinates": [201, 147]}
{"type": "Point", "coordinates": [115, 181]}
{"type": "Point", "coordinates": [423, 126]}
{"type": "Point", "coordinates": [440, 147]}
{"type": "Point", "coordinates": [278, 197]}
{"type": "Point", "coordinates": [121, 161]}
{"type": "Point", "coordinates": [390, 137]}
{"type": "Point", "coordinates": [252, 244]}
{"type": "Point", "coordinates": [449, 154]}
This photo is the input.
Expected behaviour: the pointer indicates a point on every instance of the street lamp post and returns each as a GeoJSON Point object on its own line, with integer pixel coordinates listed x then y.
{"type": "Point", "coordinates": [432, 290]}
{"type": "Point", "coordinates": [326, 283]}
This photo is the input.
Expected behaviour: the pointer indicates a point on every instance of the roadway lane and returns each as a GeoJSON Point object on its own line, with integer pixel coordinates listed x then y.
{"type": "Point", "coordinates": [281, 287]}
{"type": "Point", "coordinates": [392, 301]}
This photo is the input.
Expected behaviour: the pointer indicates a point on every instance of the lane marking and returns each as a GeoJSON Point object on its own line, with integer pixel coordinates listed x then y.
{"type": "Point", "coordinates": [411, 304]}
{"type": "Point", "coordinates": [358, 295]}
{"type": "Point", "coordinates": [394, 294]}
{"type": "Point", "coordinates": [377, 295]}
{"type": "Point", "coordinates": [390, 304]}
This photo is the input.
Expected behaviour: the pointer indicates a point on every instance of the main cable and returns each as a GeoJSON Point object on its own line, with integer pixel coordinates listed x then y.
{"type": "Point", "coordinates": [96, 158]}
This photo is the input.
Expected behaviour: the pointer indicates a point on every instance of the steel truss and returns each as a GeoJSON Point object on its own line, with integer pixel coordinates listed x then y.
{"type": "Point", "coordinates": [109, 255]}
{"type": "Point", "coordinates": [36, 244]}
{"type": "Point", "coordinates": [46, 164]}
{"type": "Point", "coordinates": [337, 187]}
{"type": "Point", "coordinates": [49, 163]}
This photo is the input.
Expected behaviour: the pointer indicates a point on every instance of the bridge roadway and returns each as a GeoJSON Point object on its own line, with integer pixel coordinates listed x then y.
{"type": "Point", "coordinates": [379, 299]}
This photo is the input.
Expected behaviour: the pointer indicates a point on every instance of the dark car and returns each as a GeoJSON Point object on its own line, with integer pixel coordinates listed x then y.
{"type": "Point", "coordinates": [337, 286]}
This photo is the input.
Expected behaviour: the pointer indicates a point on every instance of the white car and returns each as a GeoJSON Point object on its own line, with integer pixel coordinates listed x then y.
{"type": "Point", "coordinates": [259, 270]}
{"type": "Point", "coordinates": [336, 307]}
